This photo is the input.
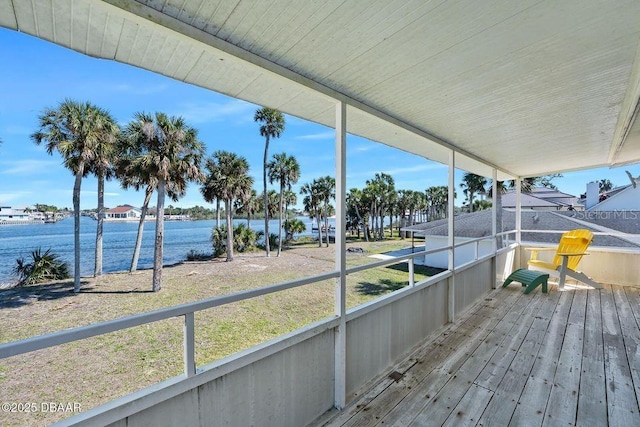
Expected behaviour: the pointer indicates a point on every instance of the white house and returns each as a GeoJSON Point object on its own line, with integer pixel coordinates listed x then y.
{"type": "Point", "coordinates": [124, 212]}
{"type": "Point", "coordinates": [626, 198]}
{"type": "Point", "coordinates": [9, 214]}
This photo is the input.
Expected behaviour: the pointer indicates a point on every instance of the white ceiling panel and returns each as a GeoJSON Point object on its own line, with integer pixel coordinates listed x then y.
{"type": "Point", "coordinates": [530, 87]}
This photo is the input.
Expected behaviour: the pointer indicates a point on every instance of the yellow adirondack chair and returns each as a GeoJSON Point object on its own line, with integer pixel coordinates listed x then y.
{"type": "Point", "coordinates": [572, 247]}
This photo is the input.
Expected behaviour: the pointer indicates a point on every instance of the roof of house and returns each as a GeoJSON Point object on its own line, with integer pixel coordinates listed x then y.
{"type": "Point", "coordinates": [549, 193]}
{"type": "Point", "coordinates": [622, 221]}
{"type": "Point", "coordinates": [121, 209]}
{"type": "Point", "coordinates": [527, 201]}
{"type": "Point", "coordinates": [478, 224]}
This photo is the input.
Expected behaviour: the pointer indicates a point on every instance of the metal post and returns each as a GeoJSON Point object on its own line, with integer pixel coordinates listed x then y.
{"type": "Point", "coordinates": [519, 210]}
{"type": "Point", "coordinates": [451, 237]}
{"type": "Point", "coordinates": [412, 279]}
{"type": "Point", "coordinates": [340, 383]}
{"type": "Point", "coordinates": [494, 228]}
{"type": "Point", "coordinates": [189, 345]}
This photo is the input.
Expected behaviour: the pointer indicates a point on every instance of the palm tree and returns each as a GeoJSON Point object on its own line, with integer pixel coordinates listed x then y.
{"type": "Point", "coordinates": [472, 184]}
{"type": "Point", "coordinates": [172, 154]}
{"type": "Point", "coordinates": [311, 202]}
{"type": "Point", "coordinates": [357, 208]}
{"type": "Point", "coordinates": [132, 172]}
{"type": "Point", "coordinates": [272, 126]}
{"type": "Point", "coordinates": [290, 199]}
{"type": "Point", "coordinates": [228, 180]}
{"type": "Point", "coordinates": [248, 206]}
{"type": "Point", "coordinates": [75, 130]}
{"type": "Point", "coordinates": [605, 185]}
{"type": "Point", "coordinates": [326, 189]}
{"type": "Point", "coordinates": [286, 170]}
{"type": "Point", "coordinates": [102, 166]}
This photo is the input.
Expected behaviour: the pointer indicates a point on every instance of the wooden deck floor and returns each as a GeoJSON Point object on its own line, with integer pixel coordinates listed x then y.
{"type": "Point", "coordinates": [558, 359]}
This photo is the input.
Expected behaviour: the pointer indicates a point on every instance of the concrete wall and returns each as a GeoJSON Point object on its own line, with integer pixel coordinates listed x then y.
{"type": "Point", "coordinates": [463, 254]}
{"type": "Point", "coordinates": [604, 265]}
{"type": "Point", "coordinates": [379, 338]}
{"type": "Point", "coordinates": [295, 385]}
{"type": "Point", "coordinates": [289, 388]}
{"type": "Point", "coordinates": [627, 199]}
{"type": "Point", "coordinates": [472, 283]}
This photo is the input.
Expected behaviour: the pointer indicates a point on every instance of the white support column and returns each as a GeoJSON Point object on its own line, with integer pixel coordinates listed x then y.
{"type": "Point", "coordinates": [340, 383]}
{"type": "Point", "coordinates": [412, 280]}
{"type": "Point", "coordinates": [494, 226]}
{"type": "Point", "coordinates": [189, 345]}
{"type": "Point", "coordinates": [519, 210]}
{"type": "Point", "coordinates": [451, 239]}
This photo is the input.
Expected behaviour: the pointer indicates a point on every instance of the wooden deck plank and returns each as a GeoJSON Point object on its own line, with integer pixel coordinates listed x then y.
{"type": "Point", "coordinates": [438, 348]}
{"type": "Point", "coordinates": [630, 335]}
{"type": "Point", "coordinates": [592, 398]}
{"type": "Point", "coordinates": [622, 405]}
{"type": "Point", "coordinates": [563, 400]}
{"type": "Point", "coordinates": [406, 410]}
{"type": "Point", "coordinates": [470, 408]}
{"type": "Point", "coordinates": [501, 407]}
{"type": "Point", "coordinates": [563, 358]}
{"type": "Point", "coordinates": [513, 332]}
{"type": "Point", "coordinates": [530, 406]}
{"type": "Point", "coordinates": [430, 381]}
{"type": "Point", "coordinates": [447, 353]}
{"type": "Point", "coordinates": [633, 347]}
{"type": "Point", "coordinates": [497, 367]}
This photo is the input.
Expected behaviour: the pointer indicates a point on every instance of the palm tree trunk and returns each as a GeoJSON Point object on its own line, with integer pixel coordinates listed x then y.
{"type": "Point", "coordinates": [157, 253]}
{"type": "Point", "coordinates": [360, 221]}
{"type": "Point", "coordinates": [266, 196]}
{"type": "Point", "coordinates": [217, 213]}
{"type": "Point", "coordinates": [76, 227]}
{"type": "Point", "coordinates": [227, 208]}
{"type": "Point", "coordinates": [326, 220]}
{"type": "Point", "coordinates": [98, 260]}
{"type": "Point", "coordinates": [280, 218]}
{"type": "Point", "coordinates": [249, 219]}
{"type": "Point", "coordinates": [319, 222]}
{"type": "Point", "coordinates": [143, 214]}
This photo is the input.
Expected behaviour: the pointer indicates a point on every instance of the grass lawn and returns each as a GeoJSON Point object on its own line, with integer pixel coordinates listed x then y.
{"type": "Point", "coordinates": [96, 370]}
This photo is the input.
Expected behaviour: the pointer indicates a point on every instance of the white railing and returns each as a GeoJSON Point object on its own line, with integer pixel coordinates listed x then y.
{"type": "Point", "coordinates": [187, 311]}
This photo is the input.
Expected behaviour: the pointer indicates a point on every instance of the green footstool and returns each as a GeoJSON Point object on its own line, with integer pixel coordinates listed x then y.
{"type": "Point", "coordinates": [529, 278]}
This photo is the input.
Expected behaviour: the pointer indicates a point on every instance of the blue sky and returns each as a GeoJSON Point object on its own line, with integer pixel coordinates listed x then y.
{"type": "Point", "coordinates": [36, 74]}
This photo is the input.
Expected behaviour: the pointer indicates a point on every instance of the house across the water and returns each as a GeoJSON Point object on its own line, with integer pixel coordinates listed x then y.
{"type": "Point", "coordinates": [123, 212]}
{"type": "Point", "coordinates": [9, 215]}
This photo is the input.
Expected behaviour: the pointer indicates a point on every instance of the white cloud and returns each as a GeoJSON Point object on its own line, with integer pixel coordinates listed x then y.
{"type": "Point", "coordinates": [95, 193]}
{"type": "Point", "coordinates": [399, 171]}
{"type": "Point", "coordinates": [216, 112]}
{"type": "Point", "coordinates": [317, 136]}
{"type": "Point", "coordinates": [129, 89]}
{"type": "Point", "coordinates": [5, 198]}
{"type": "Point", "coordinates": [23, 167]}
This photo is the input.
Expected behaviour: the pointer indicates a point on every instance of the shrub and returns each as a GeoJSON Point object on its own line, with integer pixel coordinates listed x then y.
{"type": "Point", "coordinates": [244, 239]}
{"type": "Point", "coordinates": [293, 226]}
{"type": "Point", "coordinates": [219, 240]}
{"type": "Point", "coordinates": [41, 268]}
{"type": "Point", "coordinates": [194, 255]}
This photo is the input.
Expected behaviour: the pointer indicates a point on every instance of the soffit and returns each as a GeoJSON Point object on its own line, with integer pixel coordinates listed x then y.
{"type": "Point", "coordinates": [531, 87]}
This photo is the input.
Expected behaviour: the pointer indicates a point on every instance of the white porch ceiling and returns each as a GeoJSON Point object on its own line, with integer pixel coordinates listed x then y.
{"type": "Point", "coordinates": [531, 87]}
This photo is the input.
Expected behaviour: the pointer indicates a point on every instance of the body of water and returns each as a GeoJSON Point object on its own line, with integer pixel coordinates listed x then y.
{"type": "Point", "coordinates": [118, 242]}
